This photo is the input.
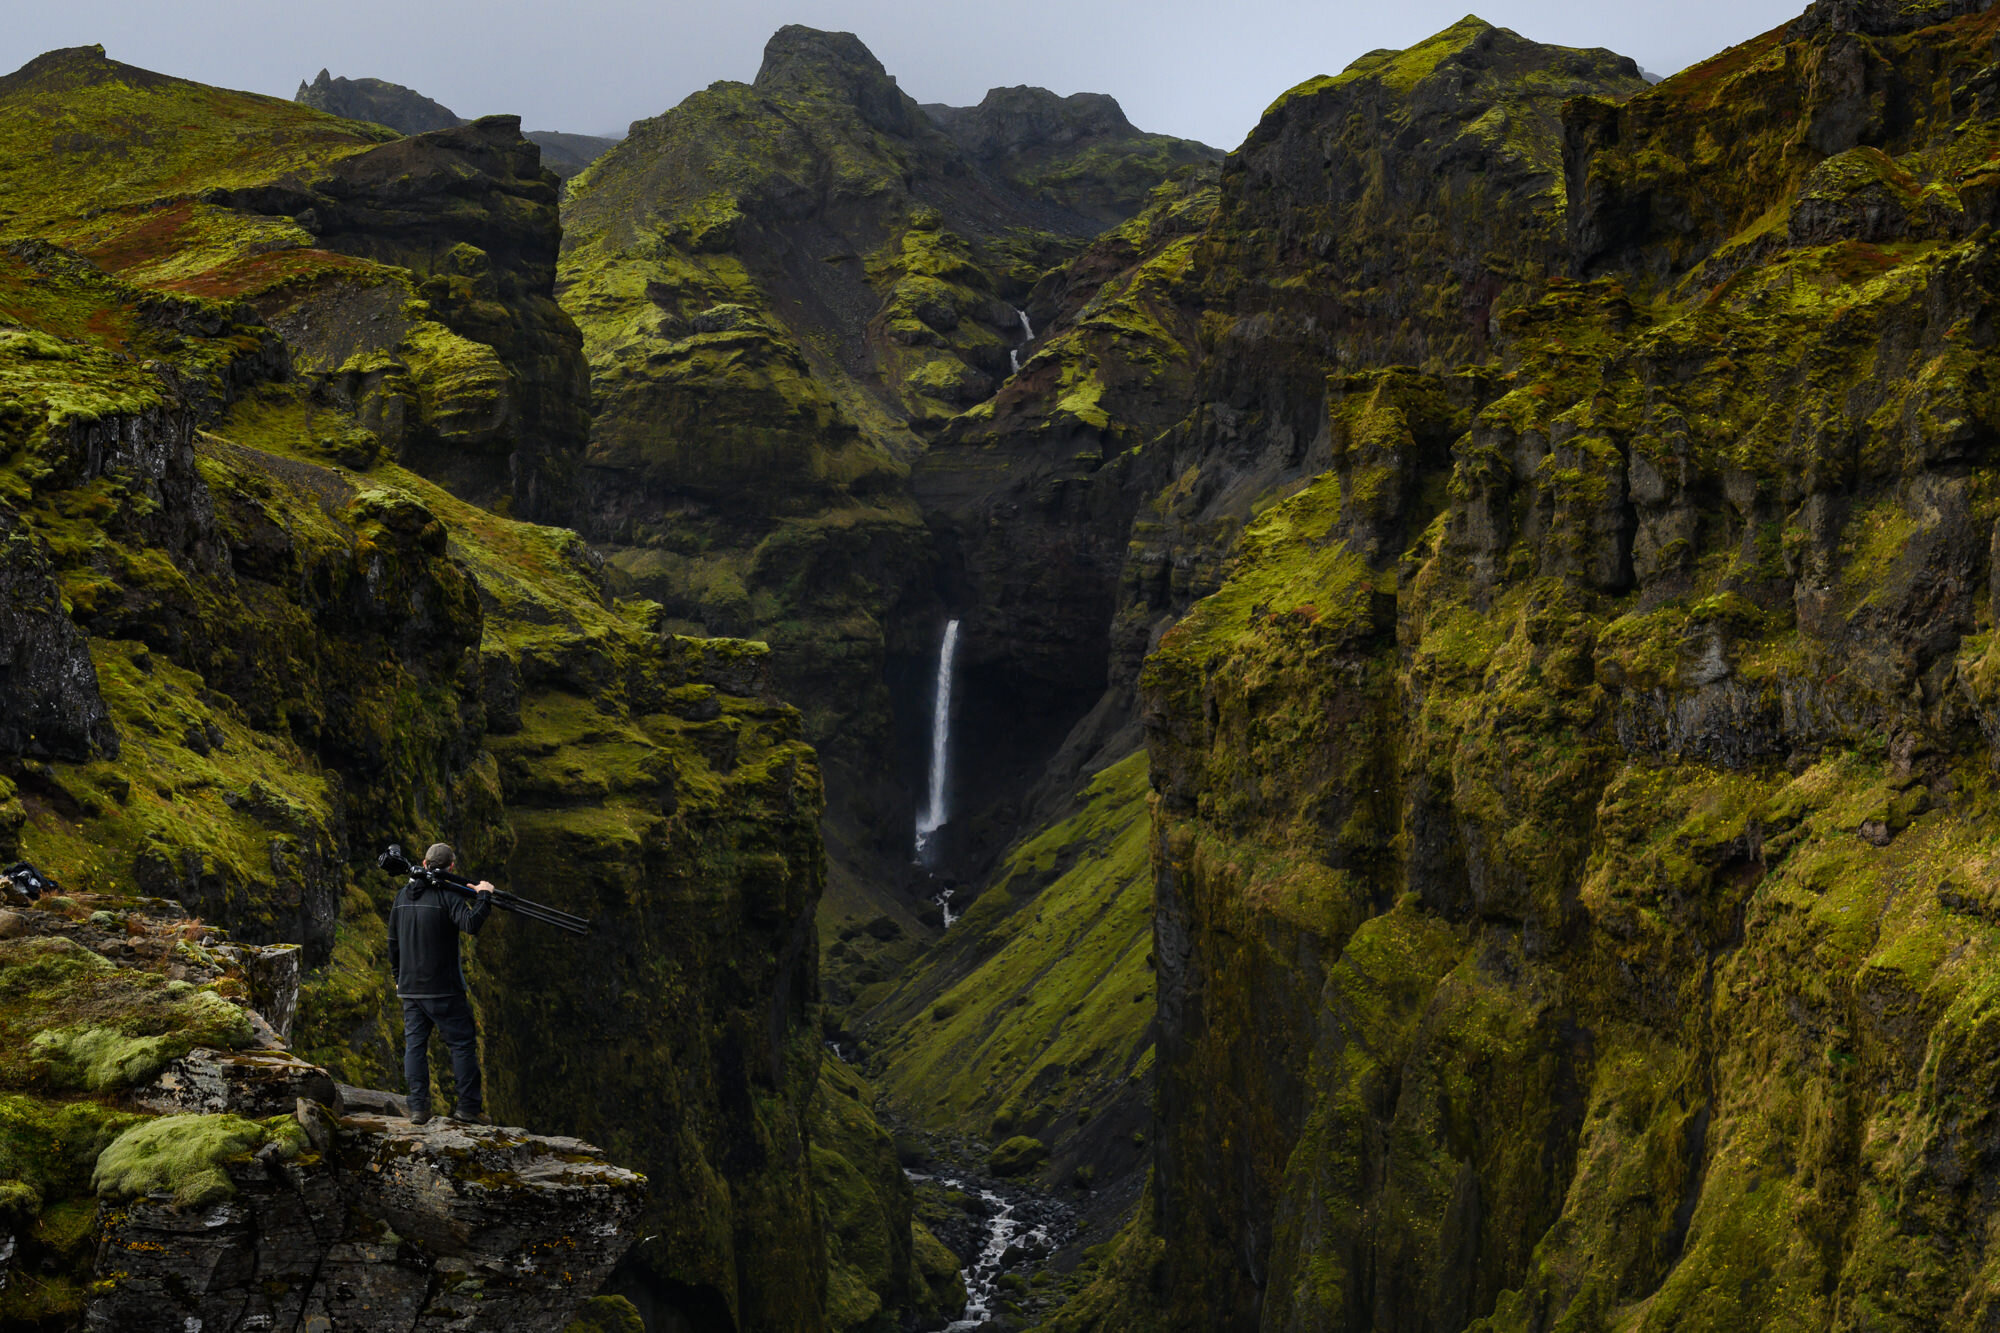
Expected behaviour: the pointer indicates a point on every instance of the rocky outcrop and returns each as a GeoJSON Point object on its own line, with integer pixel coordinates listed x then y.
{"type": "Point", "coordinates": [380, 1225]}
{"type": "Point", "coordinates": [48, 694]}
{"type": "Point", "coordinates": [1078, 151]}
{"type": "Point", "coordinates": [494, 402]}
{"type": "Point", "coordinates": [410, 112]}
{"type": "Point", "coordinates": [246, 1199]}
{"type": "Point", "coordinates": [404, 110]}
{"type": "Point", "coordinates": [411, 280]}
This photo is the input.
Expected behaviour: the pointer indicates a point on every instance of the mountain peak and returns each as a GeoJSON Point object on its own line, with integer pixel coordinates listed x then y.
{"type": "Point", "coordinates": [810, 62]}
{"type": "Point", "coordinates": [1014, 119]}
{"type": "Point", "coordinates": [79, 66]}
{"type": "Point", "coordinates": [404, 110]}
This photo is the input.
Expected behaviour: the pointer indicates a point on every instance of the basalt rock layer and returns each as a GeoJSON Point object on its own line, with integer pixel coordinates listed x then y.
{"type": "Point", "coordinates": [1571, 816]}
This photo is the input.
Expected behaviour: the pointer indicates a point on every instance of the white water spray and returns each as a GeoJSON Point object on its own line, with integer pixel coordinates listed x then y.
{"type": "Point", "coordinates": [1027, 336]}
{"type": "Point", "coordinates": [932, 819]}
{"type": "Point", "coordinates": [982, 1276]}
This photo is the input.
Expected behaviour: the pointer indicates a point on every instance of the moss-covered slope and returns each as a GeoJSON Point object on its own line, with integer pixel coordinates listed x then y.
{"type": "Point", "coordinates": [1033, 1015]}
{"type": "Point", "coordinates": [1573, 807]}
{"type": "Point", "coordinates": [412, 278]}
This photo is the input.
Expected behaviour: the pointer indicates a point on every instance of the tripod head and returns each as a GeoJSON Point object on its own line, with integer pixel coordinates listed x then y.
{"type": "Point", "coordinates": [396, 863]}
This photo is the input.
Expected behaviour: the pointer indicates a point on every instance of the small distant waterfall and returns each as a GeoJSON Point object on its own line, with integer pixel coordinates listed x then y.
{"type": "Point", "coordinates": [932, 819]}
{"type": "Point", "coordinates": [1027, 336]}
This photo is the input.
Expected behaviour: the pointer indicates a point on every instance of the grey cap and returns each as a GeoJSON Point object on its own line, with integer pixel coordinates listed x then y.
{"type": "Point", "coordinates": [439, 856]}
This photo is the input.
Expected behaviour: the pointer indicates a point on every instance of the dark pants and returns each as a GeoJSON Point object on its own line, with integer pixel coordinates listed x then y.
{"type": "Point", "coordinates": [452, 1016]}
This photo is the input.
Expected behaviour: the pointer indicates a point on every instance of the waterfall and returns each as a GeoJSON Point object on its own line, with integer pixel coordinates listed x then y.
{"type": "Point", "coordinates": [1027, 336]}
{"type": "Point", "coordinates": [932, 819]}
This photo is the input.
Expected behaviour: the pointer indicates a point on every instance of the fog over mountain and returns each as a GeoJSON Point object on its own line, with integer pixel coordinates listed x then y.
{"type": "Point", "coordinates": [594, 66]}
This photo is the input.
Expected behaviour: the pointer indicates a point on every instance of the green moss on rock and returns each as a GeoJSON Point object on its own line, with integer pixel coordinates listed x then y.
{"type": "Point", "coordinates": [187, 1156]}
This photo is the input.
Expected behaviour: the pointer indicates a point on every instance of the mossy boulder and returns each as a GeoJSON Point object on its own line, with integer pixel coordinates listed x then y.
{"type": "Point", "coordinates": [77, 1021]}
{"type": "Point", "coordinates": [187, 1156]}
{"type": "Point", "coordinates": [1017, 1156]}
{"type": "Point", "coordinates": [607, 1314]}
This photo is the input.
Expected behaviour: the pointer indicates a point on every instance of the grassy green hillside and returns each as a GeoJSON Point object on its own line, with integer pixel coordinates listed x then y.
{"type": "Point", "coordinates": [1035, 1016]}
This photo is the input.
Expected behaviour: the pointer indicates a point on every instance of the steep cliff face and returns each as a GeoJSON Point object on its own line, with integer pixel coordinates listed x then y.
{"type": "Point", "coordinates": [284, 649]}
{"type": "Point", "coordinates": [1386, 215]}
{"type": "Point", "coordinates": [1031, 496]}
{"type": "Point", "coordinates": [1569, 844]}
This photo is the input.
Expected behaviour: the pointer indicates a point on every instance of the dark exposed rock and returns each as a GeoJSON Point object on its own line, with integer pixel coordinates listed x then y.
{"type": "Point", "coordinates": [473, 214]}
{"type": "Point", "coordinates": [402, 109]}
{"type": "Point", "coordinates": [252, 1084]}
{"type": "Point", "coordinates": [392, 1226]}
{"type": "Point", "coordinates": [49, 702]}
{"type": "Point", "coordinates": [1038, 142]}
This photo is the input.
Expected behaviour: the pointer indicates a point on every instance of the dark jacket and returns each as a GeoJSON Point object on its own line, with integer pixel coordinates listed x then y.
{"type": "Point", "coordinates": [423, 939]}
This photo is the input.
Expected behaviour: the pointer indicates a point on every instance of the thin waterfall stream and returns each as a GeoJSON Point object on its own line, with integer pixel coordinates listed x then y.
{"type": "Point", "coordinates": [1027, 336]}
{"type": "Point", "coordinates": [933, 817]}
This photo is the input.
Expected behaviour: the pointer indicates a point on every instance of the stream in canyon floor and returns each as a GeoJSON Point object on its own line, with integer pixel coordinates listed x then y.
{"type": "Point", "coordinates": [1019, 1231]}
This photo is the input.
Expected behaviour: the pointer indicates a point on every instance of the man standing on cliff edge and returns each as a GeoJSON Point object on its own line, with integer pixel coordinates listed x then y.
{"type": "Point", "coordinates": [423, 957]}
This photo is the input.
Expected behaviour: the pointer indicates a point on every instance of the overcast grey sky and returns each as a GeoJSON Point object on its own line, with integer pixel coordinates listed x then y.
{"type": "Point", "coordinates": [1202, 70]}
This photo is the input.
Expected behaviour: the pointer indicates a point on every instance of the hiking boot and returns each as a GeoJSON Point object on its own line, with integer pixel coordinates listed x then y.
{"type": "Point", "coordinates": [471, 1117]}
{"type": "Point", "coordinates": [420, 1115]}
